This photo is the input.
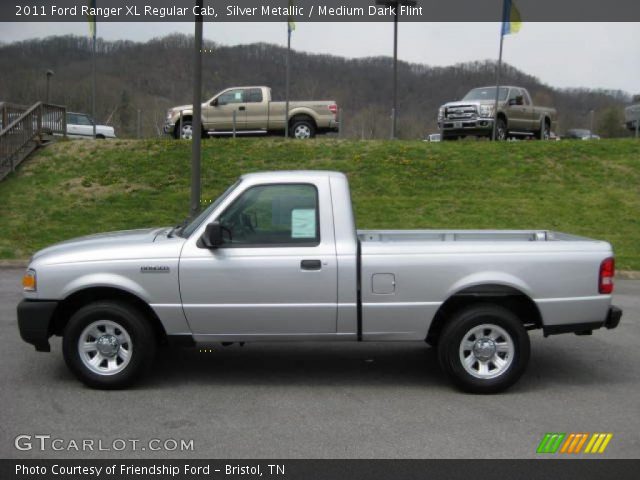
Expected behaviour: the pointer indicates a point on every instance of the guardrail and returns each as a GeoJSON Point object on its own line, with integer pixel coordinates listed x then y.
{"type": "Point", "coordinates": [23, 130]}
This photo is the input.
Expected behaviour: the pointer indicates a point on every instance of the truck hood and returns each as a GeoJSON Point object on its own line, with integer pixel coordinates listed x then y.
{"type": "Point", "coordinates": [470, 102]}
{"type": "Point", "coordinates": [102, 246]}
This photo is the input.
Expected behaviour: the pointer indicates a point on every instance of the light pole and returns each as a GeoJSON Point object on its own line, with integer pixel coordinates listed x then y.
{"type": "Point", "coordinates": [592, 113]}
{"type": "Point", "coordinates": [49, 74]}
{"type": "Point", "coordinates": [196, 126]}
{"type": "Point", "coordinates": [395, 5]}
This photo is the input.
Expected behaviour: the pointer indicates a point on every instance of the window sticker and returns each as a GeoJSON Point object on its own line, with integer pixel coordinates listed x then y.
{"type": "Point", "coordinates": [238, 96]}
{"type": "Point", "coordinates": [303, 223]}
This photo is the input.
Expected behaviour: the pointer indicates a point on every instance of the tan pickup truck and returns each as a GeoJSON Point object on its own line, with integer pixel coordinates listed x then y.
{"type": "Point", "coordinates": [517, 115]}
{"type": "Point", "coordinates": [255, 113]}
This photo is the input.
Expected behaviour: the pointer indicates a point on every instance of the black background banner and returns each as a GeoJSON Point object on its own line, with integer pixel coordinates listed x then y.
{"type": "Point", "coordinates": [318, 11]}
{"type": "Point", "coordinates": [547, 469]}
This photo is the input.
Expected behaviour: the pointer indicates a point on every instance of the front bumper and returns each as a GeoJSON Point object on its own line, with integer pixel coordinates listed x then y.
{"type": "Point", "coordinates": [35, 321]}
{"type": "Point", "coordinates": [612, 320]}
{"type": "Point", "coordinates": [467, 126]}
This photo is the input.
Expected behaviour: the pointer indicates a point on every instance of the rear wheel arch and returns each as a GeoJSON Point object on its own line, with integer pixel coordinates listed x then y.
{"type": "Point", "coordinates": [298, 117]}
{"type": "Point", "coordinates": [81, 298]}
{"type": "Point", "coordinates": [508, 297]}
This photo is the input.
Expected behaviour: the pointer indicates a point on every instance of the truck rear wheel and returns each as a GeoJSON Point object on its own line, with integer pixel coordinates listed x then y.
{"type": "Point", "coordinates": [108, 345]}
{"type": "Point", "coordinates": [303, 129]}
{"type": "Point", "coordinates": [484, 349]}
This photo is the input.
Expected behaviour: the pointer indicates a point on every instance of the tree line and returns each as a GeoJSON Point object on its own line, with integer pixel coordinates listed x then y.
{"type": "Point", "coordinates": [152, 76]}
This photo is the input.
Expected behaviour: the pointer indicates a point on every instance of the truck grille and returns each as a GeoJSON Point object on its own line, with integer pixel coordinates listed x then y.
{"type": "Point", "coordinates": [462, 112]}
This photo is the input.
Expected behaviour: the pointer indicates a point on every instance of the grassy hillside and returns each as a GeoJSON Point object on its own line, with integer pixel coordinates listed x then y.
{"type": "Point", "coordinates": [589, 188]}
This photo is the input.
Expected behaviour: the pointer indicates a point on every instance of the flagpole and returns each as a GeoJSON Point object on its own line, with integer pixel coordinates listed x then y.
{"type": "Point", "coordinates": [499, 67]}
{"type": "Point", "coordinates": [286, 88]}
{"type": "Point", "coordinates": [93, 80]}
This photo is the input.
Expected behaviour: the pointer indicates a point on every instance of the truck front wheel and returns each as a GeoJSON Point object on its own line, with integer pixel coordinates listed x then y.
{"type": "Point", "coordinates": [501, 130]}
{"type": "Point", "coordinates": [108, 345]}
{"type": "Point", "coordinates": [484, 349]}
{"type": "Point", "coordinates": [186, 133]}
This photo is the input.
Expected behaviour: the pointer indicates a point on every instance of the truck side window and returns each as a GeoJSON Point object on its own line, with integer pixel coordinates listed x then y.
{"type": "Point", "coordinates": [273, 215]}
{"type": "Point", "coordinates": [232, 96]}
{"type": "Point", "coordinates": [253, 95]}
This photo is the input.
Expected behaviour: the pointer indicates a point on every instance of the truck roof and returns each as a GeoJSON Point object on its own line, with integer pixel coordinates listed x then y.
{"type": "Point", "coordinates": [303, 174]}
{"type": "Point", "coordinates": [493, 86]}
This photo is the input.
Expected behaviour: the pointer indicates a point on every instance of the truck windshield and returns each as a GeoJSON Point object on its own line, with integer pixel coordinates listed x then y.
{"type": "Point", "coordinates": [487, 93]}
{"type": "Point", "coordinates": [195, 223]}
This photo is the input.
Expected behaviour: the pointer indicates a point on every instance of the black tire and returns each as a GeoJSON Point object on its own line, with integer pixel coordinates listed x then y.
{"type": "Point", "coordinates": [135, 325]}
{"type": "Point", "coordinates": [457, 330]}
{"type": "Point", "coordinates": [501, 130]}
{"type": "Point", "coordinates": [185, 124]}
{"type": "Point", "coordinates": [546, 132]}
{"type": "Point", "coordinates": [302, 125]}
{"type": "Point", "coordinates": [100, 137]}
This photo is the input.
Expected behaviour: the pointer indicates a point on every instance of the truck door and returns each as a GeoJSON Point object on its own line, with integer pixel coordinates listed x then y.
{"type": "Point", "coordinates": [517, 111]}
{"type": "Point", "coordinates": [257, 106]}
{"type": "Point", "coordinates": [276, 273]}
{"type": "Point", "coordinates": [219, 114]}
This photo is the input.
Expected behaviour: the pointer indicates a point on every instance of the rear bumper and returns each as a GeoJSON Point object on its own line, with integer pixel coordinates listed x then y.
{"type": "Point", "coordinates": [612, 320]}
{"type": "Point", "coordinates": [35, 321]}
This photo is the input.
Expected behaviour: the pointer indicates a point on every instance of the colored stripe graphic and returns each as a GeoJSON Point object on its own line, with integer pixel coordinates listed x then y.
{"type": "Point", "coordinates": [550, 442]}
{"type": "Point", "coordinates": [572, 443]}
{"type": "Point", "coordinates": [598, 443]}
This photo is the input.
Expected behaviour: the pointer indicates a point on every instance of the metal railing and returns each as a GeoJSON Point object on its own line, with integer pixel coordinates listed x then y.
{"type": "Point", "coordinates": [23, 129]}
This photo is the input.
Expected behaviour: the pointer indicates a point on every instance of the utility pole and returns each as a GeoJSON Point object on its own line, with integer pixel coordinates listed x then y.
{"type": "Point", "coordinates": [395, 5]}
{"type": "Point", "coordinates": [197, 114]}
{"type": "Point", "coordinates": [592, 112]}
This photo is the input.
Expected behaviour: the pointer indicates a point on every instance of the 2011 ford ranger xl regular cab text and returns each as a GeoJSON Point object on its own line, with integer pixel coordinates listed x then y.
{"type": "Point", "coordinates": [277, 257]}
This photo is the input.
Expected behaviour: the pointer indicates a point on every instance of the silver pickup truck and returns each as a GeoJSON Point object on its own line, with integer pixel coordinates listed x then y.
{"type": "Point", "coordinates": [277, 257]}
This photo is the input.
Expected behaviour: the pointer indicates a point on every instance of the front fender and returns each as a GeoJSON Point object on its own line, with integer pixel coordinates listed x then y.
{"type": "Point", "coordinates": [113, 280]}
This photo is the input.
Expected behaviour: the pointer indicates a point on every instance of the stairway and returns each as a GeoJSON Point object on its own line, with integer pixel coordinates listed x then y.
{"type": "Point", "coordinates": [24, 129]}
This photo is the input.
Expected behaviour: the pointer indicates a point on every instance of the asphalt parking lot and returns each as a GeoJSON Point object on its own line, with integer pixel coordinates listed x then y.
{"type": "Point", "coordinates": [325, 400]}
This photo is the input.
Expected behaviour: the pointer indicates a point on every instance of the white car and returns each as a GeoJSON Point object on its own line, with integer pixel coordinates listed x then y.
{"type": "Point", "coordinates": [80, 125]}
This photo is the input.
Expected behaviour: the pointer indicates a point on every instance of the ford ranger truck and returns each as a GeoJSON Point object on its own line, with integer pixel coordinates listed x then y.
{"type": "Point", "coordinates": [475, 113]}
{"type": "Point", "coordinates": [277, 257]}
{"type": "Point", "coordinates": [255, 114]}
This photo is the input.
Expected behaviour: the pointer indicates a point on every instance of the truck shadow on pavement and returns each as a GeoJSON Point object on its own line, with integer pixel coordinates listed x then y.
{"type": "Point", "coordinates": [364, 364]}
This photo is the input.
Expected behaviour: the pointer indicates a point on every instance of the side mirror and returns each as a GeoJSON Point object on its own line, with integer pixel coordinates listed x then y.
{"type": "Point", "coordinates": [212, 236]}
{"type": "Point", "coordinates": [214, 103]}
{"type": "Point", "coordinates": [512, 102]}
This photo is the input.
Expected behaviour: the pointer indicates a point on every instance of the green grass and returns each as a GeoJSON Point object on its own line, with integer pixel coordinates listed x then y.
{"type": "Point", "coordinates": [587, 188]}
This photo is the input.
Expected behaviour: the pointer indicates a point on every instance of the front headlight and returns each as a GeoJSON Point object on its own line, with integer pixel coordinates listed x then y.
{"type": "Point", "coordinates": [29, 283]}
{"type": "Point", "coordinates": [486, 110]}
{"type": "Point", "coordinates": [440, 113]}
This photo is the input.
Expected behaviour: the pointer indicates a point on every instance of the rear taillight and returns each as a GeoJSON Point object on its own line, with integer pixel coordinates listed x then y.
{"type": "Point", "coordinates": [607, 271]}
{"type": "Point", "coordinates": [333, 108]}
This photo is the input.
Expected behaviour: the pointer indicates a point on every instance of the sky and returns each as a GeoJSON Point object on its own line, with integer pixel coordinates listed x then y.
{"type": "Point", "coordinates": [592, 55]}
